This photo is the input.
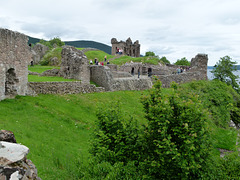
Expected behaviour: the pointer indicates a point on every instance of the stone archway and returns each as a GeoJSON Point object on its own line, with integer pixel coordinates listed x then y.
{"type": "Point", "coordinates": [10, 83]}
{"type": "Point", "coordinates": [132, 71]}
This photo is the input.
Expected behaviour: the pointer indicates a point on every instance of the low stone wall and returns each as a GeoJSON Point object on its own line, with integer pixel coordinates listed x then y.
{"type": "Point", "coordinates": [179, 78]}
{"type": "Point", "coordinates": [122, 84]}
{"type": "Point", "coordinates": [62, 88]}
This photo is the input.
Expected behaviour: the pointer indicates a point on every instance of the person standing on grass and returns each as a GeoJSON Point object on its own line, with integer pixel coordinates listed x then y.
{"type": "Point", "coordinates": [105, 58]}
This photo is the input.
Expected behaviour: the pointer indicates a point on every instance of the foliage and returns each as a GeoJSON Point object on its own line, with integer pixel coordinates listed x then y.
{"type": "Point", "coordinates": [115, 139]}
{"type": "Point", "coordinates": [173, 144]}
{"type": "Point", "coordinates": [55, 42]}
{"type": "Point", "coordinates": [56, 52]}
{"type": "Point", "coordinates": [165, 60]}
{"type": "Point", "coordinates": [182, 62]}
{"type": "Point", "coordinates": [223, 71]}
{"type": "Point", "coordinates": [150, 53]}
{"type": "Point", "coordinates": [176, 137]}
{"type": "Point", "coordinates": [221, 100]}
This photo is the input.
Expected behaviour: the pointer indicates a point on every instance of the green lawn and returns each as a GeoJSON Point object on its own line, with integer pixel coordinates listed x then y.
{"type": "Point", "coordinates": [40, 69]}
{"type": "Point", "coordinates": [57, 128]}
{"type": "Point", "coordinates": [36, 78]}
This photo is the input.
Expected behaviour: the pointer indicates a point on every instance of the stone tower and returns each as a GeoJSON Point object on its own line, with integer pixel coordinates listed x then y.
{"type": "Point", "coordinates": [15, 55]}
{"type": "Point", "coordinates": [128, 48]}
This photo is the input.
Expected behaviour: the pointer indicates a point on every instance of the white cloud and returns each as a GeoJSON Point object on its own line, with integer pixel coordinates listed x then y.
{"type": "Point", "coordinates": [171, 28]}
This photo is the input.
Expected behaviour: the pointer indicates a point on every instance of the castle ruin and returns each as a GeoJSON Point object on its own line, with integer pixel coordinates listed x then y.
{"type": "Point", "coordinates": [15, 55]}
{"type": "Point", "coordinates": [126, 48]}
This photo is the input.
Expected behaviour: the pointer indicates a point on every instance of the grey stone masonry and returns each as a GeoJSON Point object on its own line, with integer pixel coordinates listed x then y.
{"type": "Point", "coordinates": [75, 65]}
{"type": "Point", "coordinates": [74, 87]}
{"type": "Point", "coordinates": [15, 55]}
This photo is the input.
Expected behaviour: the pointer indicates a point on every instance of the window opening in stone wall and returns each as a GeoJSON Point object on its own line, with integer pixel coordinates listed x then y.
{"type": "Point", "coordinates": [132, 71]}
{"type": "Point", "coordinates": [10, 83]}
{"type": "Point", "coordinates": [149, 72]}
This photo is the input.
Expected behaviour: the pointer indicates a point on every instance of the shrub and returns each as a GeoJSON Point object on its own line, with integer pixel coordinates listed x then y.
{"type": "Point", "coordinates": [176, 137]}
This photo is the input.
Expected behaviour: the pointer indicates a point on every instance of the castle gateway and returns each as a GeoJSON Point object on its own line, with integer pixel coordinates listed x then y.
{"type": "Point", "coordinates": [126, 48]}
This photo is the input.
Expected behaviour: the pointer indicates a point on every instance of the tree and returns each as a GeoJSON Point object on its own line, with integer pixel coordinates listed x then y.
{"type": "Point", "coordinates": [150, 53]}
{"type": "Point", "coordinates": [183, 62]}
{"type": "Point", "coordinates": [53, 42]}
{"type": "Point", "coordinates": [223, 70]}
{"type": "Point", "coordinates": [165, 60]}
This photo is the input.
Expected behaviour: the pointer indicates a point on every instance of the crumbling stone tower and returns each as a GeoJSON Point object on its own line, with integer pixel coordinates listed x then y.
{"type": "Point", "coordinates": [128, 48]}
{"type": "Point", "coordinates": [199, 64]}
{"type": "Point", "coordinates": [14, 58]}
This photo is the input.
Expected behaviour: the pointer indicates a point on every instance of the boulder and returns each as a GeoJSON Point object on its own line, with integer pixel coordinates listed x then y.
{"type": "Point", "coordinates": [13, 162]}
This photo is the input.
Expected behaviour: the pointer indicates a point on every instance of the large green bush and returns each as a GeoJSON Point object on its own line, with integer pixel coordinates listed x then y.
{"type": "Point", "coordinates": [176, 137]}
{"type": "Point", "coordinates": [173, 143]}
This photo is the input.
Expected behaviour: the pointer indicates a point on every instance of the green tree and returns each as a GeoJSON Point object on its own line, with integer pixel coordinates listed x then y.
{"type": "Point", "coordinates": [53, 42]}
{"type": "Point", "coordinates": [150, 53]}
{"type": "Point", "coordinates": [165, 60]}
{"type": "Point", "coordinates": [176, 136]}
{"type": "Point", "coordinates": [223, 70]}
{"type": "Point", "coordinates": [183, 62]}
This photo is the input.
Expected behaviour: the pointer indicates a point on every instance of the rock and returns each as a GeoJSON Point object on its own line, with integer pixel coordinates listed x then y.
{"type": "Point", "coordinates": [40, 49]}
{"type": "Point", "coordinates": [7, 136]}
{"type": "Point", "coordinates": [11, 152]}
{"type": "Point", "coordinates": [13, 162]}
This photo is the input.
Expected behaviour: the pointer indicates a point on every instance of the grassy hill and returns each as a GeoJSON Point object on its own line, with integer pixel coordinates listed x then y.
{"type": "Point", "coordinates": [80, 44]}
{"type": "Point", "coordinates": [58, 128]}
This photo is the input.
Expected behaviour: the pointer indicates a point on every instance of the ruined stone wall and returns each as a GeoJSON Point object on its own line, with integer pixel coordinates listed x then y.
{"type": "Point", "coordinates": [62, 88]}
{"type": "Point", "coordinates": [15, 55]}
{"type": "Point", "coordinates": [198, 71]}
{"type": "Point", "coordinates": [75, 65]}
{"type": "Point", "coordinates": [179, 78]}
{"type": "Point", "coordinates": [129, 48]}
{"type": "Point", "coordinates": [102, 76]}
{"type": "Point", "coordinates": [122, 84]}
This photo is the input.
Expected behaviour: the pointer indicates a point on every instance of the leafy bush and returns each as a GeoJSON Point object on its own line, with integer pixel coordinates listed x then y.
{"type": "Point", "coordinates": [176, 137]}
{"type": "Point", "coordinates": [183, 62]}
{"type": "Point", "coordinates": [55, 42]}
{"type": "Point", "coordinates": [173, 144]}
{"type": "Point", "coordinates": [56, 52]}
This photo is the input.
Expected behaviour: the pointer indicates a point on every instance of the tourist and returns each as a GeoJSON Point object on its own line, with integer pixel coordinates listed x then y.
{"type": "Point", "coordinates": [95, 60]}
{"type": "Point", "coordinates": [91, 62]}
{"type": "Point", "coordinates": [105, 58]}
{"type": "Point", "coordinates": [138, 72]}
{"type": "Point", "coordinates": [108, 62]}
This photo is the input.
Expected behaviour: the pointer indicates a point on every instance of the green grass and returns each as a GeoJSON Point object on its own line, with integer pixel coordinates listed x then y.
{"type": "Point", "coordinates": [36, 78]}
{"type": "Point", "coordinates": [122, 60]}
{"type": "Point", "coordinates": [97, 54]}
{"type": "Point", "coordinates": [57, 128]}
{"type": "Point", "coordinates": [40, 69]}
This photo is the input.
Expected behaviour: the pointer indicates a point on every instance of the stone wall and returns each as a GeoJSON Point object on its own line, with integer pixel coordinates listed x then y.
{"type": "Point", "coordinates": [74, 87]}
{"type": "Point", "coordinates": [179, 78]}
{"type": "Point", "coordinates": [75, 65]}
{"type": "Point", "coordinates": [38, 51]}
{"type": "Point", "coordinates": [13, 162]}
{"type": "Point", "coordinates": [103, 76]}
{"type": "Point", "coordinates": [15, 55]}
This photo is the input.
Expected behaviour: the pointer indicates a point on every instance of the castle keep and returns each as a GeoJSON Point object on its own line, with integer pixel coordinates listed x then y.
{"type": "Point", "coordinates": [128, 48]}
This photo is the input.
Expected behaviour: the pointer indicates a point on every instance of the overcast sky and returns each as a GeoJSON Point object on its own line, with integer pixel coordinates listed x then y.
{"type": "Point", "coordinates": [171, 28]}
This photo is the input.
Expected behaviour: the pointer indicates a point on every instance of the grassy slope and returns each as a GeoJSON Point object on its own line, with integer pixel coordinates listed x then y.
{"type": "Point", "coordinates": [57, 128]}
{"type": "Point", "coordinates": [97, 54]}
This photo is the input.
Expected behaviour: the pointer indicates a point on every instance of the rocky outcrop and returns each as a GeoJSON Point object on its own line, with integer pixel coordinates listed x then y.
{"type": "Point", "coordinates": [13, 162]}
{"type": "Point", "coordinates": [75, 65]}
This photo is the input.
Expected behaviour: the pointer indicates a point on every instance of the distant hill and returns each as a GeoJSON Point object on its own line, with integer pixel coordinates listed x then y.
{"type": "Point", "coordinates": [80, 44]}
